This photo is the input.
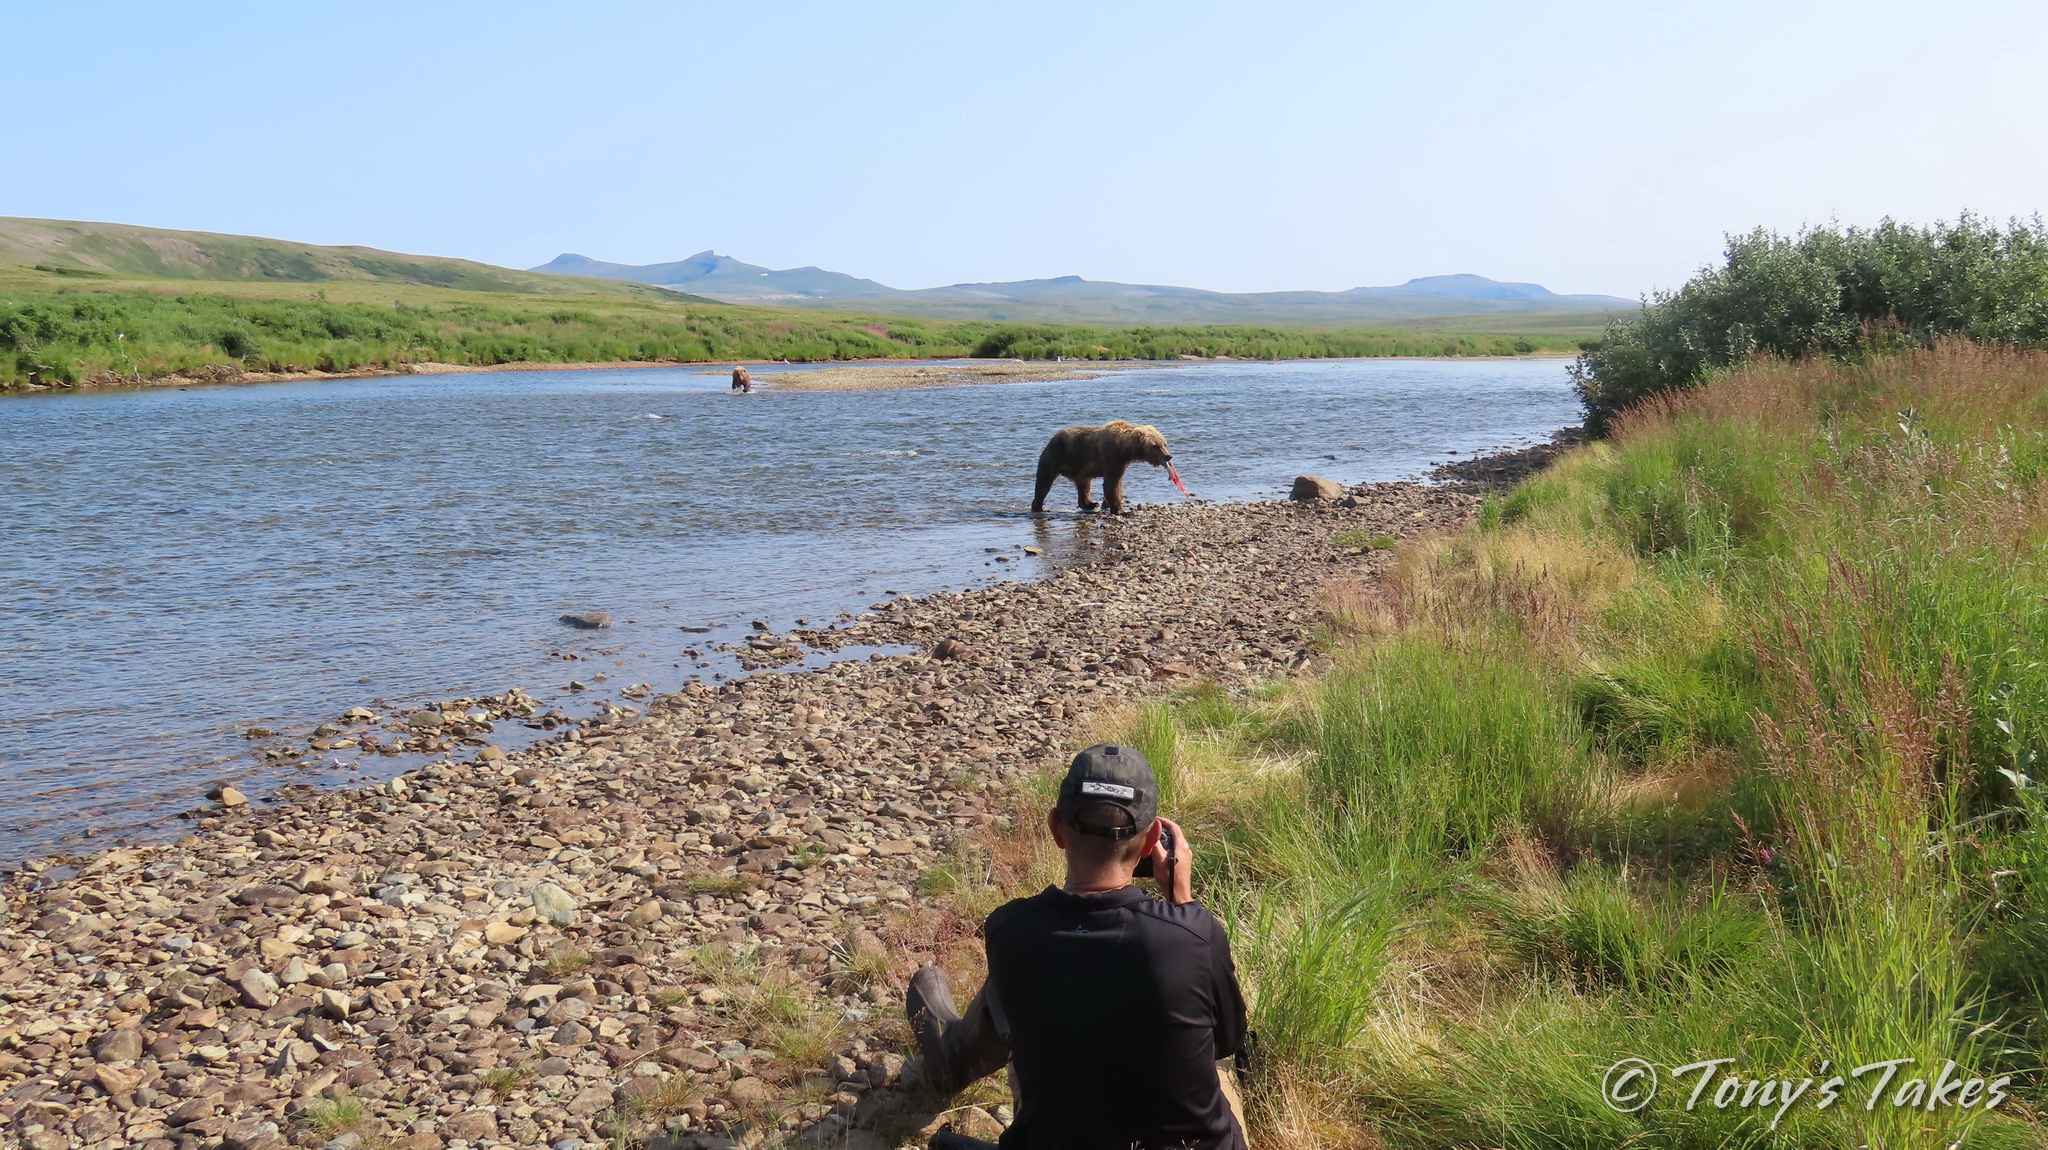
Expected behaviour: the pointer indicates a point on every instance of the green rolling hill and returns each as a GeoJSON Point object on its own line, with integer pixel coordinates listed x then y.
{"type": "Point", "coordinates": [82, 251]}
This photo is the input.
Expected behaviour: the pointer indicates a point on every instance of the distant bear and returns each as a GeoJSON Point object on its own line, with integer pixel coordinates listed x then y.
{"type": "Point", "coordinates": [741, 381]}
{"type": "Point", "coordinates": [1083, 454]}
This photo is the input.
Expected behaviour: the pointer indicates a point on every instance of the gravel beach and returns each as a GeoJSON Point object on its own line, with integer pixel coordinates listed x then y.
{"type": "Point", "coordinates": [890, 376]}
{"type": "Point", "coordinates": [668, 926]}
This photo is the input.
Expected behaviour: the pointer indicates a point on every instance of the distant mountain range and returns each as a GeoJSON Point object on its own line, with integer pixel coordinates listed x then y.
{"type": "Point", "coordinates": [79, 253]}
{"type": "Point", "coordinates": [1071, 299]}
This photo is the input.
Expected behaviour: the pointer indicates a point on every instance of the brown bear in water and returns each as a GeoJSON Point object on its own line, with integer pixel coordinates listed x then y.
{"type": "Point", "coordinates": [742, 380]}
{"type": "Point", "coordinates": [1084, 453]}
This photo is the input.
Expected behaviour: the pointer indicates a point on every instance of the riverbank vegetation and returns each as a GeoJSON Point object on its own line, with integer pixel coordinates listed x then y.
{"type": "Point", "coordinates": [1829, 291]}
{"type": "Point", "coordinates": [1718, 740]}
{"type": "Point", "coordinates": [71, 336]}
{"type": "Point", "coordinates": [1042, 342]}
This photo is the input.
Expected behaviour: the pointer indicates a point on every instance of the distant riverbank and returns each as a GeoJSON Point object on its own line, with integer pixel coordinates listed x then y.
{"type": "Point", "coordinates": [66, 339]}
{"type": "Point", "coordinates": [867, 375]}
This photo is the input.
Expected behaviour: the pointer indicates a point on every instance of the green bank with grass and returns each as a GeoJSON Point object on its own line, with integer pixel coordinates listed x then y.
{"type": "Point", "coordinates": [85, 304]}
{"type": "Point", "coordinates": [1718, 740]}
{"type": "Point", "coordinates": [69, 337]}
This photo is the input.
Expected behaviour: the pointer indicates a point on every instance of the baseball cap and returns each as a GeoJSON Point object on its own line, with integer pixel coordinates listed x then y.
{"type": "Point", "coordinates": [1112, 774]}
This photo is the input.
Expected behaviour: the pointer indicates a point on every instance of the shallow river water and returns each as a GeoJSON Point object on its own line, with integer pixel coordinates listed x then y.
{"type": "Point", "coordinates": [179, 565]}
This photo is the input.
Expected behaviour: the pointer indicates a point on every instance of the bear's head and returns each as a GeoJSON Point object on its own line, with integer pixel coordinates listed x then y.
{"type": "Point", "coordinates": [1140, 441]}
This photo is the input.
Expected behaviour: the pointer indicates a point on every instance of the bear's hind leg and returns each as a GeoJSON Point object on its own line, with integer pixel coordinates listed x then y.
{"type": "Point", "coordinates": [1082, 485]}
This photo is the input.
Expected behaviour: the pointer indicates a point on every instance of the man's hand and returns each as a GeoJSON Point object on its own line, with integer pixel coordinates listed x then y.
{"type": "Point", "coordinates": [1175, 877]}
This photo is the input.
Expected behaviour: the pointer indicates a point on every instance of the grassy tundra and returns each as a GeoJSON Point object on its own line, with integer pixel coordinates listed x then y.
{"type": "Point", "coordinates": [1717, 741]}
{"type": "Point", "coordinates": [65, 329]}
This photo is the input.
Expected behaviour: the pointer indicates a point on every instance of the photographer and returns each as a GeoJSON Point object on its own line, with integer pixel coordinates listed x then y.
{"type": "Point", "coordinates": [1112, 1007]}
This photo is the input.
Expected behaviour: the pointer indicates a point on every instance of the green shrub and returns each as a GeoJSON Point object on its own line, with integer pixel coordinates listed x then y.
{"type": "Point", "coordinates": [1828, 291]}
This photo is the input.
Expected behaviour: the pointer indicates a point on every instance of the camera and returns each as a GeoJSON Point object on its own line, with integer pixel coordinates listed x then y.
{"type": "Point", "coordinates": [1145, 864]}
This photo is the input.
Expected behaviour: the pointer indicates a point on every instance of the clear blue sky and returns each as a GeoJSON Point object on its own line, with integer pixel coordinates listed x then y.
{"type": "Point", "coordinates": [1588, 146]}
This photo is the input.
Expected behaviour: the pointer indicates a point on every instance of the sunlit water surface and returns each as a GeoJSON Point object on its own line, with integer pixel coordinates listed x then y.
{"type": "Point", "coordinates": [179, 565]}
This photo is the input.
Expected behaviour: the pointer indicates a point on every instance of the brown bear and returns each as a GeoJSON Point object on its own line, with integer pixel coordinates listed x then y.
{"type": "Point", "coordinates": [1084, 453]}
{"type": "Point", "coordinates": [742, 380]}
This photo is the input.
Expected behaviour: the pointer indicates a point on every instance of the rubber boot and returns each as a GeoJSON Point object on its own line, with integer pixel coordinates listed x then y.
{"type": "Point", "coordinates": [929, 1003]}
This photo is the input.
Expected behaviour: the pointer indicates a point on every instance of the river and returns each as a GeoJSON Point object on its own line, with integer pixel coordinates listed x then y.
{"type": "Point", "coordinates": [178, 565]}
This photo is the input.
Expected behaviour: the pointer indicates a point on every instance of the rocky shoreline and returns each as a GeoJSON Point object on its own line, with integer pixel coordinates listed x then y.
{"type": "Point", "coordinates": [678, 927]}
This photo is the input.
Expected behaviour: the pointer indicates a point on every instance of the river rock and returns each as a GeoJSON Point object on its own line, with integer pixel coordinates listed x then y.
{"type": "Point", "coordinates": [590, 1100]}
{"type": "Point", "coordinates": [332, 1002]}
{"type": "Point", "coordinates": [472, 1125]}
{"type": "Point", "coordinates": [119, 1079]}
{"type": "Point", "coordinates": [1309, 488]}
{"type": "Point", "coordinates": [749, 1092]}
{"type": "Point", "coordinates": [974, 1122]}
{"type": "Point", "coordinates": [259, 989]}
{"type": "Point", "coordinates": [503, 933]}
{"type": "Point", "coordinates": [124, 1045]}
{"type": "Point", "coordinates": [554, 904]}
{"type": "Point", "coordinates": [589, 620]}
{"type": "Point", "coordinates": [251, 1134]}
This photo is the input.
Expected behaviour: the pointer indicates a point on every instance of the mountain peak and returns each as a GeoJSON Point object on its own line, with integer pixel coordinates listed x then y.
{"type": "Point", "coordinates": [1463, 285]}
{"type": "Point", "coordinates": [722, 276]}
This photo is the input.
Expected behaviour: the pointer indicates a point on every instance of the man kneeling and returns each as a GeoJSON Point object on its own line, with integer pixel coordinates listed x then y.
{"type": "Point", "coordinates": [1112, 1007]}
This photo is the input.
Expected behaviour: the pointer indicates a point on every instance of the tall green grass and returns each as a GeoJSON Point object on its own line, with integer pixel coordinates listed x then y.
{"type": "Point", "coordinates": [60, 338]}
{"type": "Point", "coordinates": [1244, 342]}
{"type": "Point", "coordinates": [1716, 741]}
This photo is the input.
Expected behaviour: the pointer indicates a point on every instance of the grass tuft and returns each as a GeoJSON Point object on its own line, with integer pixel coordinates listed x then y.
{"type": "Point", "coordinates": [333, 1117]}
{"type": "Point", "coordinates": [565, 962]}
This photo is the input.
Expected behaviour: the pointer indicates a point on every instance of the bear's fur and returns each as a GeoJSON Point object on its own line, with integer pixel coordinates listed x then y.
{"type": "Point", "coordinates": [1084, 454]}
{"type": "Point", "coordinates": [742, 380]}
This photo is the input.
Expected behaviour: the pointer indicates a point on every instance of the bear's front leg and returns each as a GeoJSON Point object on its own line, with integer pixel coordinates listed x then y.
{"type": "Point", "coordinates": [1087, 499]}
{"type": "Point", "coordinates": [1113, 491]}
{"type": "Point", "coordinates": [1048, 474]}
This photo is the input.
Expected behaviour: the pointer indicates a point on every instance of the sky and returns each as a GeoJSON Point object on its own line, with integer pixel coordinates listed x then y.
{"type": "Point", "coordinates": [1588, 146]}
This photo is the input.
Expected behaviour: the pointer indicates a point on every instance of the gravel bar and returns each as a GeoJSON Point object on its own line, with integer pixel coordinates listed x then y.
{"type": "Point", "coordinates": [509, 950]}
